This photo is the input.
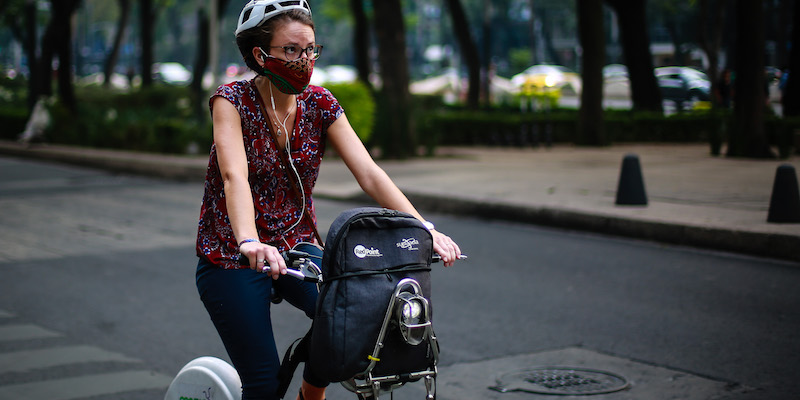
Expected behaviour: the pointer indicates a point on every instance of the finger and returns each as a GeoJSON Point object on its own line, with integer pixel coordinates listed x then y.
{"type": "Point", "coordinates": [277, 266]}
{"type": "Point", "coordinates": [441, 251]}
{"type": "Point", "coordinates": [260, 264]}
{"type": "Point", "coordinates": [453, 252]}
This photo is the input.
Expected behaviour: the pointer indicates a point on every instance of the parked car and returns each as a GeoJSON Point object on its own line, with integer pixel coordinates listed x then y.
{"type": "Point", "coordinates": [172, 73]}
{"type": "Point", "coordinates": [684, 86]}
{"type": "Point", "coordinates": [546, 76]}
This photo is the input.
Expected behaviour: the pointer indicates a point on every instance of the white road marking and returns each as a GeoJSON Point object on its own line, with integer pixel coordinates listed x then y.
{"type": "Point", "coordinates": [21, 361]}
{"type": "Point", "coordinates": [86, 386]}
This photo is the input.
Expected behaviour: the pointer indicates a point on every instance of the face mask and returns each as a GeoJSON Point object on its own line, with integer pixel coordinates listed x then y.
{"type": "Point", "coordinates": [290, 77]}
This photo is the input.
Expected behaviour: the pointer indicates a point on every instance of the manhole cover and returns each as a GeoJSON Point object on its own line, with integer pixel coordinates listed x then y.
{"type": "Point", "coordinates": [560, 380]}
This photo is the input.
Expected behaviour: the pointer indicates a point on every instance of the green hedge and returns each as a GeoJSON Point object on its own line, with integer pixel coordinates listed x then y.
{"type": "Point", "coordinates": [511, 128]}
{"type": "Point", "coordinates": [158, 119]}
{"type": "Point", "coordinates": [13, 107]}
{"type": "Point", "coordinates": [13, 120]}
{"type": "Point", "coordinates": [164, 118]}
{"type": "Point", "coordinates": [359, 106]}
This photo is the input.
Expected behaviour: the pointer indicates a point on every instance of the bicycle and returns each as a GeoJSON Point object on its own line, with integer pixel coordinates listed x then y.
{"type": "Point", "coordinates": [408, 312]}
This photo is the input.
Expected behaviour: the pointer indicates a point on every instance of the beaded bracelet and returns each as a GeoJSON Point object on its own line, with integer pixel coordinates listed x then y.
{"type": "Point", "coordinates": [247, 241]}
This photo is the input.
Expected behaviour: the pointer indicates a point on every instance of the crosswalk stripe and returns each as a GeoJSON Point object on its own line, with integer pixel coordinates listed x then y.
{"type": "Point", "coordinates": [21, 361]}
{"type": "Point", "coordinates": [86, 386]}
{"type": "Point", "coordinates": [25, 331]}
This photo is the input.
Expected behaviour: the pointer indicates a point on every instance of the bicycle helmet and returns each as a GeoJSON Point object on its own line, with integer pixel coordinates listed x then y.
{"type": "Point", "coordinates": [256, 12]}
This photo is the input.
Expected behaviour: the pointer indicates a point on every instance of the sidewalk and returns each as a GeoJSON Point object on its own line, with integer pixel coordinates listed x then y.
{"type": "Point", "coordinates": [694, 199]}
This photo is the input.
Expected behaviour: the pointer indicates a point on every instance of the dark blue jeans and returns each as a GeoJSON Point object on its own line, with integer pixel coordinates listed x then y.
{"type": "Point", "coordinates": [238, 302]}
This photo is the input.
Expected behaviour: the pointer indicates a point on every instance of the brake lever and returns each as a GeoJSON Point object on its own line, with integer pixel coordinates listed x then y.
{"type": "Point", "coordinates": [301, 265]}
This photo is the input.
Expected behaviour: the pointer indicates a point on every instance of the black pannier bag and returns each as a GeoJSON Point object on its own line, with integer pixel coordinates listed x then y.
{"type": "Point", "coordinates": [373, 311]}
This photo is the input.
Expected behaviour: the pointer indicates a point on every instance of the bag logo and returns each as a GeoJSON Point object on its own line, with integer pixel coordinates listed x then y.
{"type": "Point", "coordinates": [362, 252]}
{"type": "Point", "coordinates": [409, 244]}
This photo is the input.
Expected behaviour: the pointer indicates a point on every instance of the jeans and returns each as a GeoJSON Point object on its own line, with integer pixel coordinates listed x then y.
{"type": "Point", "coordinates": [238, 302]}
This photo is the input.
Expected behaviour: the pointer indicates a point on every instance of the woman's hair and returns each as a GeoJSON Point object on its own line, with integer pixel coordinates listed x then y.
{"type": "Point", "coordinates": [261, 36]}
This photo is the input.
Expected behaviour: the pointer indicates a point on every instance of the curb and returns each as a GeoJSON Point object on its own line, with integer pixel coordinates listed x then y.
{"type": "Point", "coordinates": [179, 168]}
{"type": "Point", "coordinates": [771, 245]}
{"type": "Point", "coordinates": [193, 169]}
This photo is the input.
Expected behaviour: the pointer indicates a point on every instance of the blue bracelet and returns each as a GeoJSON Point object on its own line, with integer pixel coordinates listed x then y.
{"type": "Point", "coordinates": [247, 241]}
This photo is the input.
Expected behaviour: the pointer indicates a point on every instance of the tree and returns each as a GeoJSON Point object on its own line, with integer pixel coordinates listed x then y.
{"type": "Point", "coordinates": [469, 51]}
{"type": "Point", "coordinates": [361, 40]}
{"type": "Point", "coordinates": [395, 100]}
{"type": "Point", "coordinates": [57, 42]}
{"type": "Point", "coordinates": [147, 24]}
{"type": "Point", "coordinates": [13, 12]}
{"type": "Point", "coordinates": [712, 21]}
{"type": "Point", "coordinates": [593, 43]}
{"type": "Point", "coordinates": [113, 54]}
{"type": "Point", "coordinates": [748, 137]}
{"type": "Point", "coordinates": [791, 92]}
{"type": "Point", "coordinates": [203, 55]}
{"type": "Point", "coordinates": [631, 15]}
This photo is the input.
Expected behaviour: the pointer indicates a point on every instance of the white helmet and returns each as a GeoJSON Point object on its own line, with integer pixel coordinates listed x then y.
{"type": "Point", "coordinates": [257, 11]}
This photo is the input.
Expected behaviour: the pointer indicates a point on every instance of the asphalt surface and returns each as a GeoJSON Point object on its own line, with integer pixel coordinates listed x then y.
{"type": "Point", "coordinates": [692, 197]}
{"type": "Point", "coordinates": [557, 186]}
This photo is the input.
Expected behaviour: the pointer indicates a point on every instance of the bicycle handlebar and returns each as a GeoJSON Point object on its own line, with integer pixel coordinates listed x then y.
{"type": "Point", "coordinates": [301, 267]}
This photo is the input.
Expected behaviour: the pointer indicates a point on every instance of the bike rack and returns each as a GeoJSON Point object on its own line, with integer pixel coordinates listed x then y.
{"type": "Point", "coordinates": [407, 290]}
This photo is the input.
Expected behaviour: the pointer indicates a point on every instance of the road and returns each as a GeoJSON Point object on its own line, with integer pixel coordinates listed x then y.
{"type": "Point", "coordinates": [97, 300]}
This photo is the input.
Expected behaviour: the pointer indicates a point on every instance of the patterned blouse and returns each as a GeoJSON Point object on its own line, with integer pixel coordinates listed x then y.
{"type": "Point", "coordinates": [277, 207]}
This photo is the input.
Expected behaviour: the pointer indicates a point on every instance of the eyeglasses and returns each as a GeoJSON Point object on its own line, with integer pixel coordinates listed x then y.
{"type": "Point", "coordinates": [293, 52]}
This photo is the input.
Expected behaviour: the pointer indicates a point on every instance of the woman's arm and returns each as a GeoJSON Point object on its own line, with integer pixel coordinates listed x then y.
{"type": "Point", "coordinates": [377, 184]}
{"type": "Point", "coordinates": [238, 196]}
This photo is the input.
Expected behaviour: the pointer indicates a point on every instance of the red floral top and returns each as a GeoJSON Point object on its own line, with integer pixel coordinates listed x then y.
{"type": "Point", "coordinates": [277, 207]}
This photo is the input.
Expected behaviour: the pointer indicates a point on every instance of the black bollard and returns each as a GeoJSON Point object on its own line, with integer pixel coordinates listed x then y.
{"type": "Point", "coordinates": [784, 206]}
{"type": "Point", "coordinates": [630, 190]}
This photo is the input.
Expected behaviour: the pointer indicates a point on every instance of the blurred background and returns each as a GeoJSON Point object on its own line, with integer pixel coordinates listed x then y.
{"type": "Point", "coordinates": [416, 74]}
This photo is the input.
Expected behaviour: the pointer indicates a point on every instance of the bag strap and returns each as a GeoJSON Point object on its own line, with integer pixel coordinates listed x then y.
{"type": "Point", "coordinates": [284, 157]}
{"type": "Point", "coordinates": [295, 354]}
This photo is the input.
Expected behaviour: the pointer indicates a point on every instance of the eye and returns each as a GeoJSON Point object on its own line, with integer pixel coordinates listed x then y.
{"type": "Point", "coordinates": [290, 50]}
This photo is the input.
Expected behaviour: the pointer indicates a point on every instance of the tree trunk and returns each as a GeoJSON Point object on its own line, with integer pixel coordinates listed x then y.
{"type": "Point", "coordinates": [113, 54]}
{"type": "Point", "coordinates": [748, 137]}
{"type": "Point", "coordinates": [45, 61]}
{"type": "Point", "coordinates": [485, 79]}
{"type": "Point", "coordinates": [712, 21]}
{"type": "Point", "coordinates": [469, 51]}
{"type": "Point", "coordinates": [361, 41]}
{"type": "Point", "coordinates": [791, 92]}
{"type": "Point", "coordinates": [645, 93]}
{"type": "Point", "coordinates": [29, 43]}
{"type": "Point", "coordinates": [592, 38]}
{"type": "Point", "coordinates": [57, 41]}
{"type": "Point", "coordinates": [147, 27]}
{"type": "Point", "coordinates": [63, 10]}
{"type": "Point", "coordinates": [202, 56]}
{"type": "Point", "coordinates": [395, 101]}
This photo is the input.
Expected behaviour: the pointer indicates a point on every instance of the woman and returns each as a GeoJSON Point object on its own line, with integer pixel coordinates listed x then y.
{"type": "Point", "coordinates": [249, 205]}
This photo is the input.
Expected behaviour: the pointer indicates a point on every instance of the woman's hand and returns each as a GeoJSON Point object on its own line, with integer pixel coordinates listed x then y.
{"type": "Point", "coordinates": [445, 247]}
{"type": "Point", "coordinates": [264, 258]}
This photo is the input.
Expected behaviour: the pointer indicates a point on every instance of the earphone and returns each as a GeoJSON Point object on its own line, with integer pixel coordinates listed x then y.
{"type": "Point", "coordinates": [291, 165]}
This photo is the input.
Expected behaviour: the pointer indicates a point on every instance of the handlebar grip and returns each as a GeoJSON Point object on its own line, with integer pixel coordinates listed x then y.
{"type": "Point", "coordinates": [436, 257]}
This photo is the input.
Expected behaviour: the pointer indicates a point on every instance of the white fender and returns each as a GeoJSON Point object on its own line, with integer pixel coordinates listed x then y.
{"type": "Point", "coordinates": [205, 378]}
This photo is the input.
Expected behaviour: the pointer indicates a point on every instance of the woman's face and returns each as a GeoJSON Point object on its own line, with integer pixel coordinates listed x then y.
{"type": "Point", "coordinates": [291, 33]}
